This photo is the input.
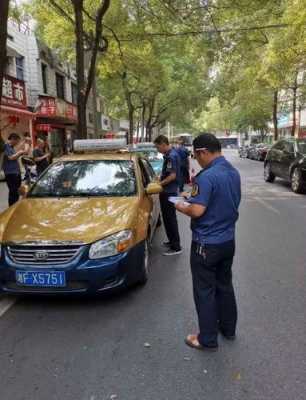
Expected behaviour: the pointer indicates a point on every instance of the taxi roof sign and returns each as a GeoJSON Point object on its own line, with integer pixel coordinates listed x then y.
{"type": "Point", "coordinates": [91, 145]}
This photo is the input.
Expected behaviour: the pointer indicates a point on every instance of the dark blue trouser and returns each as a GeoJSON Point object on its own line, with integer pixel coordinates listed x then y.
{"type": "Point", "coordinates": [170, 221]}
{"type": "Point", "coordinates": [184, 178]}
{"type": "Point", "coordinates": [213, 290]}
{"type": "Point", "coordinates": [13, 182]}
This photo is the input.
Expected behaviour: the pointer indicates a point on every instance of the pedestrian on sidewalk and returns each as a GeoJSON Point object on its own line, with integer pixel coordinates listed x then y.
{"type": "Point", "coordinates": [213, 209]}
{"type": "Point", "coordinates": [27, 160]}
{"type": "Point", "coordinates": [11, 167]}
{"type": "Point", "coordinates": [40, 156]}
{"type": "Point", "coordinates": [169, 180]}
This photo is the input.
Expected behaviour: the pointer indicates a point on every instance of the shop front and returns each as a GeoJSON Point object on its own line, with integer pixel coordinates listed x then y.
{"type": "Point", "coordinates": [56, 120]}
{"type": "Point", "coordinates": [14, 115]}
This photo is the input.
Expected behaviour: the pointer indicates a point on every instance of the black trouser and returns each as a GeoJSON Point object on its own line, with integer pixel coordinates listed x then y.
{"type": "Point", "coordinates": [184, 178]}
{"type": "Point", "coordinates": [13, 182]}
{"type": "Point", "coordinates": [170, 221]}
{"type": "Point", "coordinates": [211, 267]}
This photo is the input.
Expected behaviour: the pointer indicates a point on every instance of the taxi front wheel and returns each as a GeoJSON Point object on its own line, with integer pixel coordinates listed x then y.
{"type": "Point", "coordinates": [145, 264]}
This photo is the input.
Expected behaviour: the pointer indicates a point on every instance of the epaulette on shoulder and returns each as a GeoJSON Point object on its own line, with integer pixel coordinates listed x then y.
{"type": "Point", "coordinates": [200, 172]}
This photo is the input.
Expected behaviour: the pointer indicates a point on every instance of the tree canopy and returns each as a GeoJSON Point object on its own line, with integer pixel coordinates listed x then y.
{"type": "Point", "coordinates": [219, 65]}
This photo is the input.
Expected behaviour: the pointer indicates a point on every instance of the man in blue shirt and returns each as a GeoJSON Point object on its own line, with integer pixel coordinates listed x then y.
{"type": "Point", "coordinates": [11, 167]}
{"type": "Point", "coordinates": [169, 180]}
{"type": "Point", "coordinates": [213, 208]}
{"type": "Point", "coordinates": [184, 171]}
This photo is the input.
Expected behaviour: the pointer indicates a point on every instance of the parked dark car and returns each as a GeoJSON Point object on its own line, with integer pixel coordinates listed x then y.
{"type": "Point", "coordinates": [242, 151]}
{"type": "Point", "coordinates": [252, 152]}
{"type": "Point", "coordinates": [249, 150]}
{"type": "Point", "coordinates": [262, 151]}
{"type": "Point", "coordinates": [287, 160]}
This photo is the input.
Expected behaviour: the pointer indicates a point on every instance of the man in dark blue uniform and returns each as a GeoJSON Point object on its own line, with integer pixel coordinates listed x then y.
{"type": "Point", "coordinates": [184, 170]}
{"type": "Point", "coordinates": [213, 208]}
{"type": "Point", "coordinates": [11, 167]}
{"type": "Point", "coordinates": [170, 179]}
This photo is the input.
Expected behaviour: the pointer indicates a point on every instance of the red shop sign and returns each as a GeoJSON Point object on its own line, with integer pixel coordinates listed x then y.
{"type": "Point", "coordinates": [47, 106]}
{"type": "Point", "coordinates": [13, 92]}
{"type": "Point", "coordinates": [43, 127]}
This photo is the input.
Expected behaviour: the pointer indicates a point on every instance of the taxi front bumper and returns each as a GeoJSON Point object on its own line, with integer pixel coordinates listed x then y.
{"type": "Point", "coordinates": [83, 276]}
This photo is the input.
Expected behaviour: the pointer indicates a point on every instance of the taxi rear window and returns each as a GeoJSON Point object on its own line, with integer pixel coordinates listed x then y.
{"type": "Point", "coordinates": [87, 178]}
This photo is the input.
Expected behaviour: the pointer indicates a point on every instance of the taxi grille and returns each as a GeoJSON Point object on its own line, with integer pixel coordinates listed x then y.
{"type": "Point", "coordinates": [42, 255]}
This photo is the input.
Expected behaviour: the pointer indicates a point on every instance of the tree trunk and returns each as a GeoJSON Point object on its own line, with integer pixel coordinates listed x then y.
{"type": "Point", "coordinates": [95, 106]}
{"type": "Point", "coordinates": [131, 123]}
{"type": "Point", "coordinates": [137, 130]}
{"type": "Point", "coordinates": [275, 112]}
{"type": "Point", "coordinates": [130, 106]}
{"type": "Point", "coordinates": [4, 9]}
{"type": "Point", "coordinates": [143, 115]}
{"type": "Point", "coordinates": [294, 89]}
{"type": "Point", "coordinates": [80, 69]}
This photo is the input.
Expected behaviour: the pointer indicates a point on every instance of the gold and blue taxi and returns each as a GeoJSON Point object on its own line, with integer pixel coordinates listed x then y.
{"type": "Point", "coordinates": [84, 227]}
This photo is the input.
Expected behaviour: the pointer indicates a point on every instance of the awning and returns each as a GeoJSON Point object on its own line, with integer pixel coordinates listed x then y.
{"type": "Point", "coordinates": [17, 111]}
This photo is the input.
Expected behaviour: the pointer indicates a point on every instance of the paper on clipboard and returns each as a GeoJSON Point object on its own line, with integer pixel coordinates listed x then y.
{"type": "Point", "coordinates": [178, 199]}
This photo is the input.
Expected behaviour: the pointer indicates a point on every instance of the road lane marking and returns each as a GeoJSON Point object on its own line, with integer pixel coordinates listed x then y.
{"type": "Point", "coordinates": [266, 205]}
{"type": "Point", "coordinates": [5, 304]}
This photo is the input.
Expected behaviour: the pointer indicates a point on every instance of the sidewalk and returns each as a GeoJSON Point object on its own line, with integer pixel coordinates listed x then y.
{"type": "Point", "coordinates": [3, 196]}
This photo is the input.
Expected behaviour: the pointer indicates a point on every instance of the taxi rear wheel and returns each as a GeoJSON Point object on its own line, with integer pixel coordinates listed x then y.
{"type": "Point", "coordinates": [145, 264]}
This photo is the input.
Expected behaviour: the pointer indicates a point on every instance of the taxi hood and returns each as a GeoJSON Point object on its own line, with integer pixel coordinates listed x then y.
{"type": "Point", "coordinates": [74, 219]}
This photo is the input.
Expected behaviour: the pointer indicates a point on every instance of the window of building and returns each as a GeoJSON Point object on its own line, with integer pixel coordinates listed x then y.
{"type": "Point", "coordinates": [44, 74]}
{"type": "Point", "coordinates": [20, 68]}
{"type": "Point", "coordinates": [74, 93]}
{"type": "Point", "coordinates": [9, 66]}
{"type": "Point", "coordinates": [60, 86]}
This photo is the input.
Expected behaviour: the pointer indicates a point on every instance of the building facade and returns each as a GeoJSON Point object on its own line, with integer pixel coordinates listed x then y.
{"type": "Point", "coordinates": [15, 113]}
{"type": "Point", "coordinates": [40, 94]}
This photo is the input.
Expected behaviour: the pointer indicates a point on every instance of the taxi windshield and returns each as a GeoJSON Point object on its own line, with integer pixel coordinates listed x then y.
{"type": "Point", "coordinates": [87, 178]}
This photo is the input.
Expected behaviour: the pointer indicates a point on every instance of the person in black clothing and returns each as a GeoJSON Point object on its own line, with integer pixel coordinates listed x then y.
{"type": "Point", "coordinates": [40, 157]}
{"type": "Point", "coordinates": [169, 180]}
{"type": "Point", "coordinates": [11, 167]}
{"type": "Point", "coordinates": [184, 156]}
{"type": "Point", "coordinates": [27, 160]}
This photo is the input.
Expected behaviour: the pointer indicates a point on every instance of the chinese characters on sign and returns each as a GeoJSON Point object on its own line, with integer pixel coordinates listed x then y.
{"type": "Point", "coordinates": [47, 106]}
{"type": "Point", "coordinates": [52, 107]}
{"type": "Point", "coordinates": [13, 92]}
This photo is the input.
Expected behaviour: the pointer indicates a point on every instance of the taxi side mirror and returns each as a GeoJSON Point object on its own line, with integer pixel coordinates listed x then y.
{"type": "Point", "coordinates": [153, 188]}
{"type": "Point", "coordinates": [24, 190]}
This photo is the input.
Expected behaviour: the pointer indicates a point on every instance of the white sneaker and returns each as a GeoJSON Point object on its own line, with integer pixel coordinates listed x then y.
{"type": "Point", "coordinates": [172, 252]}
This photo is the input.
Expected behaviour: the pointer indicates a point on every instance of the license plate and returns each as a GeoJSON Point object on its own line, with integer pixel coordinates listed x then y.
{"type": "Point", "coordinates": [41, 279]}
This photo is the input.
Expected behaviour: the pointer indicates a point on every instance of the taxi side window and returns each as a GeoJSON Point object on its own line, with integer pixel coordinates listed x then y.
{"type": "Point", "coordinates": [144, 173]}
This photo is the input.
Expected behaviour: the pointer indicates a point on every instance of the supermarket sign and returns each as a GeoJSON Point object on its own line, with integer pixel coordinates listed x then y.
{"type": "Point", "coordinates": [13, 92]}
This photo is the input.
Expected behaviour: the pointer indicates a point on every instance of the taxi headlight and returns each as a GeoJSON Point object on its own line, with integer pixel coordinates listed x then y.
{"type": "Point", "coordinates": [111, 245]}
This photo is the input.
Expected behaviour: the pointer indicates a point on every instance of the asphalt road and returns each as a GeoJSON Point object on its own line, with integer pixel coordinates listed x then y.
{"type": "Point", "coordinates": [94, 349]}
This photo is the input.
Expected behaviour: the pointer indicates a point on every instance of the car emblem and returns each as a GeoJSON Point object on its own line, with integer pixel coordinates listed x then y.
{"type": "Point", "coordinates": [41, 255]}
